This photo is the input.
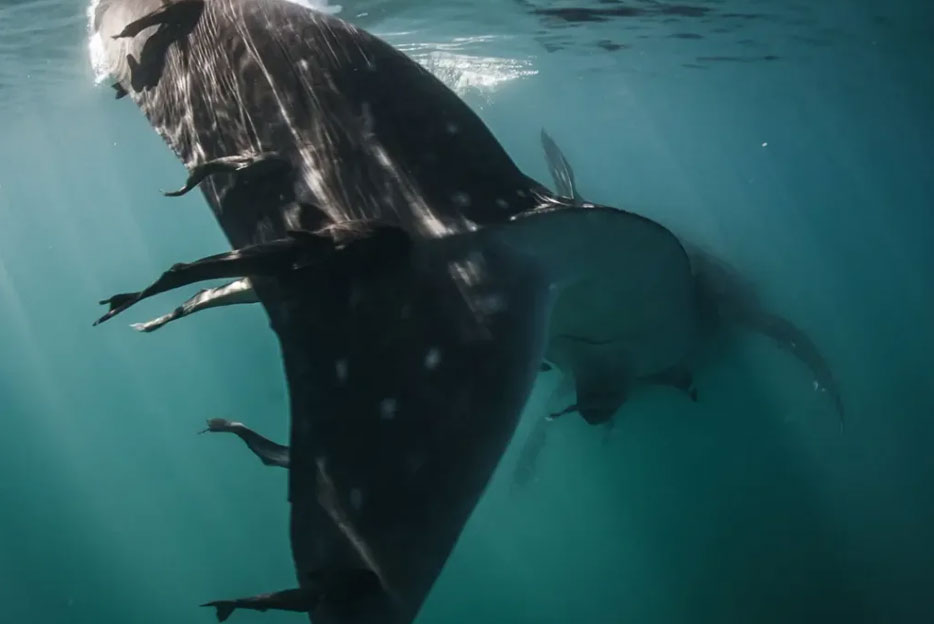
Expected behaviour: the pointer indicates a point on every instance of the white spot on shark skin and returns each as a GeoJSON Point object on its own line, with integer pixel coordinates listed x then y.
{"type": "Point", "coordinates": [461, 199]}
{"type": "Point", "coordinates": [387, 409]}
{"type": "Point", "coordinates": [502, 203]}
{"type": "Point", "coordinates": [340, 367]}
{"type": "Point", "coordinates": [356, 499]}
{"type": "Point", "coordinates": [490, 304]}
{"type": "Point", "coordinates": [520, 193]}
{"type": "Point", "coordinates": [433, 358]}
{"type": "Point", "coordinates": [452, 128]}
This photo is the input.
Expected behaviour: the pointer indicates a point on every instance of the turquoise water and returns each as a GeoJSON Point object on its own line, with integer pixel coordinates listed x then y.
{"type": "Point", "coordinates": [811, 172]}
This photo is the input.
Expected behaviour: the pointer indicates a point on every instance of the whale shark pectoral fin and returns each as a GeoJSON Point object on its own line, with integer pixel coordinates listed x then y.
{"type": "Point", "coordinates": [270, 453]}
{"type": "Point", "coordinates": [560, 169]}
{"type": "Point", "coordinates": [235, 293]}
{"type": "Point", "coordinates": [599, 398]}
{"type": "Point", "coordinates": [788, 336]}
{"type": "Point", "coordinates": [250, 164]}
{"type": "Point", "coordinates": [183, 14]}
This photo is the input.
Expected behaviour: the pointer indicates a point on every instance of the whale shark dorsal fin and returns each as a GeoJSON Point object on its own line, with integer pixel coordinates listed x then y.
{"type": "Point", "coordinates": [560, 169]}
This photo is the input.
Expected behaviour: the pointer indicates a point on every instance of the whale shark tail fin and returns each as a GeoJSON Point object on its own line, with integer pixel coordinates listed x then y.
{"type": "Point", "coordinates": [789, 337]}
{"type": "Point", "coordinates": [725, 296]}
{"type": "Point", "coordinates": [560, 169]}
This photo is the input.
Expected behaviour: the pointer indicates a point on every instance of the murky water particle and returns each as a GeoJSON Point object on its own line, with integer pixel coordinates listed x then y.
{"type": "Point", "coordinates": [765, 144]}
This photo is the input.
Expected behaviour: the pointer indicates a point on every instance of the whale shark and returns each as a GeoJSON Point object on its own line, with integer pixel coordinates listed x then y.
{"type": "Point", "coordinates": [414, 278]}
{"type": "Point", "coordinates": [725, 300]}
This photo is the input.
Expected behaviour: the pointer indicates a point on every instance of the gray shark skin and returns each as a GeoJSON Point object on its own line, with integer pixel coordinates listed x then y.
{"type": "Point", "coordinates": [724, 299]}
{"type": "Point", "coordinates": [415, 280]}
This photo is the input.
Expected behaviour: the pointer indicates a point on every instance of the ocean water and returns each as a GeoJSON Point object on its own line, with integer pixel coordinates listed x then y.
{"type": "Point", "coordinates": [792, 139]}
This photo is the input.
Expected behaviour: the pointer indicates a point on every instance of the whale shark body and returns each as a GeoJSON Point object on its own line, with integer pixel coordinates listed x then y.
{"type": "Point", "coordinates": [415, 280]}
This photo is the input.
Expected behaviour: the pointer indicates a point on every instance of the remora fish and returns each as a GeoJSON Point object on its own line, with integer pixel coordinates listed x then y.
{"type": "Point", "coordinates": [412, 274]}
{"type": "Point", "coordinates": [724, 299]}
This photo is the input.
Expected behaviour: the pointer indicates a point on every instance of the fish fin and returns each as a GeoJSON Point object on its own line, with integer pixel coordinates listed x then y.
{"type": "Point", "coordinates": [156, 323]}
{"type": "Point", "coordinates": [119, 91]}
{"type": "Point", "coordinates": [185, 14]}
{"type": "Point", "coordinates": [560, 168]}
{"type": "Point", "coordinates": [570, 409]}
{"type": "Point", "coordinates": [249, 164]}
{"type": "Point", "coordinates": [373, 250]}
{"type": "Point", "coordinates": [224, 609]}
{"type": "Point", "coordinates": [270, 453]}
{"type": "Point", "coordinates": [236, 292]}
{"type": "Point", "coordinates": [344, 591]}
{"type": "Point", "coordinates": [788, 336]}
{"type": "Point", "coordinates": [270, 258]}
{"type": "Point", "coordinates": [299, 600]}
{"type": "Point", "coordinates": [599, 397]}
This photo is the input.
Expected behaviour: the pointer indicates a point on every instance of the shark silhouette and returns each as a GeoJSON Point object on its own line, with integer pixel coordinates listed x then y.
{"type": "Point", "coordinates": [725, 299]}
{"type": "Point", "coordinates": [414, 278]}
